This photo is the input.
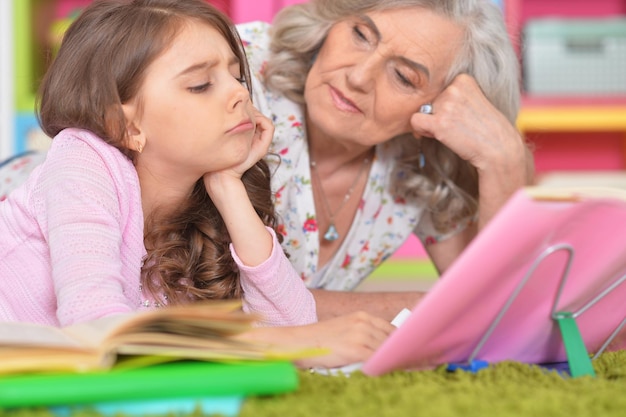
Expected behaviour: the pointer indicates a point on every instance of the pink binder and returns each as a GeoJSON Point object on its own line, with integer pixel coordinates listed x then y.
{"type": "Point", "coordinates": [547, 251]}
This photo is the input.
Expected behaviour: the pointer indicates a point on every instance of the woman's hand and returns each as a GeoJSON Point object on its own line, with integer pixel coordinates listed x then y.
{"type": "Point", "coordinates": [351, 338]}
{"type": "Point", "coordinates": [467, 123]}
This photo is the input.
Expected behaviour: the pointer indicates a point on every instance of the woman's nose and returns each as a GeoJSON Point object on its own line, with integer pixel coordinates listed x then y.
{"type": "Point", "coordinates": [363, 73]}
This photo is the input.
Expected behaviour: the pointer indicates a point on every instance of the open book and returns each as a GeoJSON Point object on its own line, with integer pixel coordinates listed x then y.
{"type": "Point", "coordinates": [544, 282]}
{"type": "Point", "coordinates": [198, 331]}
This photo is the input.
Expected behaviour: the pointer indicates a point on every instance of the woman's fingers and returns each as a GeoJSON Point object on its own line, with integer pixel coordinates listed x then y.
{"type": "Point", "coordinates": [465, 121]}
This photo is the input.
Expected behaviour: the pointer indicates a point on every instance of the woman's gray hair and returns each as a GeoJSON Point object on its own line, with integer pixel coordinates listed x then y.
{"type": "Point", "coordinates": [447, 185]}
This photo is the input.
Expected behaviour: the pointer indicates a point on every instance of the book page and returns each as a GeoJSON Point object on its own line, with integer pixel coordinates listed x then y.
{"type": "Point", "coordinates": [199, 320]}
{"type": "Point", "coordinates": [95, 333]}
{"type": "Point", "coordinates": [21, 360]}
{"type": "Point", "coordinates": [182, 331]}
{"type": "Point", "coordinates": [34, 335]}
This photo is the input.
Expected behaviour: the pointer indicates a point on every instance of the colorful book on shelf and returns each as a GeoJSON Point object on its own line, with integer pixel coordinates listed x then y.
{"type": "Point", "coordinates": [207, 331]}
{"type": "Point", "coordinates": [544, 282]}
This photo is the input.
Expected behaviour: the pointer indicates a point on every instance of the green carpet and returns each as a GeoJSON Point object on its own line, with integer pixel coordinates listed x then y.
{"type": "Point", "coordinates": [404, 269]}
{"type": "Point", "coordinates": [502, 390]}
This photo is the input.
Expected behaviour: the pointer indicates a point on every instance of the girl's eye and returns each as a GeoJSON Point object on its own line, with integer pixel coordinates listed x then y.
{"type": "Point", "coordinates": [241, 80]}
{"type": "Point", "coordinates": [199, 88]}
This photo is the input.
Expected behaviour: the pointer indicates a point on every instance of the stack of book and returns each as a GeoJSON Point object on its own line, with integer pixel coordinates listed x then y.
{"type": "Point", "coordinates": [176, 359]}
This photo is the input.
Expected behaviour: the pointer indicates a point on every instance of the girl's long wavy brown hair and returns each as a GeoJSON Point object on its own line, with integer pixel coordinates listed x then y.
{"type": "Point", "coordinates": [101, 65]}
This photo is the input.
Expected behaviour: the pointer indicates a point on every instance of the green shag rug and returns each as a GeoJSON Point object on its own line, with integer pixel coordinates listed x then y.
{"type": "Point", "coordinates": [504, 389]}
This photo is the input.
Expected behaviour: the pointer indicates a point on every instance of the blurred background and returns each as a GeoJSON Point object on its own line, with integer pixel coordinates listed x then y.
{"type": "Point", "coordinates": [573, 68]}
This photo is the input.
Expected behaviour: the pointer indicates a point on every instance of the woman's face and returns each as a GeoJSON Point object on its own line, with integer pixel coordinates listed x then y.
{"type": "Point", "coordinates": [195, 112]}
{"type": "Point", "coordinates": [374, 71]}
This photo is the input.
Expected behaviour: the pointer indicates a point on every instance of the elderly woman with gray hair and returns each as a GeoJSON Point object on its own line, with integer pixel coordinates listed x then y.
{"type": "Point", "coordinates": [391, 117]}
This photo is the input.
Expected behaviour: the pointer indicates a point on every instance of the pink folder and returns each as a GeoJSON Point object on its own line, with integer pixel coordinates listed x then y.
{"type": "Point", "coordinates": [548, 250]}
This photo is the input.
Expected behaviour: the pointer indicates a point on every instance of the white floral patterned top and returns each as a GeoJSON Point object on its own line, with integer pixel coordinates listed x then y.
{"type": "Point", "coordinates": [15, 170]}
{"type": "Point", "coordinates": [383, 221]}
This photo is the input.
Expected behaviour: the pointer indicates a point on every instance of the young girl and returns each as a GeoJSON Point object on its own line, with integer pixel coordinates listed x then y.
{"type": "Point", "coordinates": [143, 200]}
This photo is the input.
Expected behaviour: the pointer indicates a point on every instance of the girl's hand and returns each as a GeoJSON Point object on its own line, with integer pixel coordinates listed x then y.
{"type": "Point", "coordinates": [260, 142]}
{"type": "Point", "coordinates": [263, 134]}
{"type": "Point", "coordinates": [215, 182]}
{"type": "Point", "coordinates": [350, 339]}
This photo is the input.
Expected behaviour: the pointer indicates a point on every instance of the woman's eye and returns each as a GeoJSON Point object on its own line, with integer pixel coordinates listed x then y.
{"type": "Point", "coordinates": [241, 80]}
{"type": "Point", "coordinates": [358, 33]}
{"type": "Point", "coordinates": [404, 80]}
{"type": "Point", "coordinates": [199, 88]}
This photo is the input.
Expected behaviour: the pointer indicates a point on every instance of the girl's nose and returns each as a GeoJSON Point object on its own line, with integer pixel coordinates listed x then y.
{"type": "Point", "coordinates": [240, 94]}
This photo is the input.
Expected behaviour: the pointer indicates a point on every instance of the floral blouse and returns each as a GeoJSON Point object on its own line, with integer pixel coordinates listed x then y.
{"type": "Point", "coordinates": [14, 171]}
{"type": "Point", "coordinates": [383, 221]}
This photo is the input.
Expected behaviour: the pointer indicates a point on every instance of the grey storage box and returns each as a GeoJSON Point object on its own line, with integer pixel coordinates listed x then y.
{"type": "Point", "coordinates": [575, 56]}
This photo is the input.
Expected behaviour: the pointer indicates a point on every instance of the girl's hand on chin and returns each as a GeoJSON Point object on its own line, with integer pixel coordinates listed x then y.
{"type": "Point", "coordinates": [260, 142]}
{"type": "Point", "coordinates": [263, 135]}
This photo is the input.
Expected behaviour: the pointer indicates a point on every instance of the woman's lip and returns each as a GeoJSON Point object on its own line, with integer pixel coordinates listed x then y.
{"type": "Point", "coordinates": [241, 127]}
{"type": "Point", "coordinates": [342, 103]}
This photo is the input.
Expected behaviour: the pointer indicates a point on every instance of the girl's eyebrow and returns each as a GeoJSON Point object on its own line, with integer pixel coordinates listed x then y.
{"type": "Point", "coordinates": [205, 65]}
{"type": "Point", "coordinates": [416, 66]}
{"type": "Point", "coordinates": [197, 67]}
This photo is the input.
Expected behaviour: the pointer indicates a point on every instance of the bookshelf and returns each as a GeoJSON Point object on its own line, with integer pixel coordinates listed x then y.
{"type": "Point", "coordinates": [549, 120]}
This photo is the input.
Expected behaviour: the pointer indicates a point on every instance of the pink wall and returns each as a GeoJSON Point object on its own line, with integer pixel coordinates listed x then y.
{"type": "Point", "coordinates": [246, 11]}
{"type": "Point", "coordinates": [65, 8]}
{"type": "Point", "coordinates": [572, 8]}
{"type": "Point", "coordinates": [582, 151]}
{"type": "Point", "coordinates": [518, 11]}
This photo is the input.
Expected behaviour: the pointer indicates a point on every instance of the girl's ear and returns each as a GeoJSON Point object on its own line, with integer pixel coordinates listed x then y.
{"type": "Point", "coordinates": [136, 137]}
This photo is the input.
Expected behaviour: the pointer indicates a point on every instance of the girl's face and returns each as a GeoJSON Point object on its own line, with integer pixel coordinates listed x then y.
{"type": "Point", "coordinates": [193, 109]}
{"type": "Point", "coordinates": [374, 71]}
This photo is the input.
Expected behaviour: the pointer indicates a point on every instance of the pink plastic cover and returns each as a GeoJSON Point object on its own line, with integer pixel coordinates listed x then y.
{"type": "Point", "coordinates": [496, 301]}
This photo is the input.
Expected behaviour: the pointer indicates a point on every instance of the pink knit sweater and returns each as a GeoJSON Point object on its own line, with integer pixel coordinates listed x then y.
{"type": "Point", "coordinates": [71, 244]}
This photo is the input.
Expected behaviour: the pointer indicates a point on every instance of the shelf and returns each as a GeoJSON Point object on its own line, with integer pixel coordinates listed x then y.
{"type": "Point", "coordinates": [591, 118]}
{"type": "Point", "coordinates": [566, 113]}
{"type": "Point", "coordinates": [577, 131]}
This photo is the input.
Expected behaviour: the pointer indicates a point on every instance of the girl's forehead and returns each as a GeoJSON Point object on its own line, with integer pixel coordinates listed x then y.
{"type": "Point", "coordinates": [195, 44]}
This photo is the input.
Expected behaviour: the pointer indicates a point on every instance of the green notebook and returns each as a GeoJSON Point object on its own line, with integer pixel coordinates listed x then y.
{"type": "Point", "coordinates": [187, 380]}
